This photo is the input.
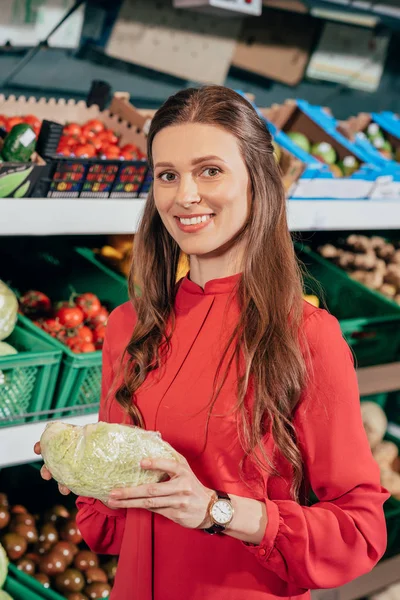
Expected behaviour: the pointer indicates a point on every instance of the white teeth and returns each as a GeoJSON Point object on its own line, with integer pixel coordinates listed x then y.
{"type": "Point", "coordinates": [195, 220]}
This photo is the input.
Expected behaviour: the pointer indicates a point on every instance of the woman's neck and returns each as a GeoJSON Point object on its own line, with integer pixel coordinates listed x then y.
{"type": "Point", "coordinates": [206, 268]}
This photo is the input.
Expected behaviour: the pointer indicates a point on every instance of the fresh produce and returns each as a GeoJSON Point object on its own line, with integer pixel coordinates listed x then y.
{"type": "Point", "coordinates": [78, 323]}
{"type": "Point", "coordinates": [385, 452]}
{"type": "Point", "coordinates": [94, 140]}
{"type": "Point", "coordinates": [8, 123]}
{"type": "Point", "coordinates": [6, 349]}
{"type": "Point", "coordinates": [8, 310]}
{"type": "Point", "coordinates": [3, 565]}
{"type": "Point", "coordinates": [377, 138]}
{"type": "Point", "coordinates": [55, 567]}
{"type": "Point", "coordinates": [93, 460]}
{"type": "Point", "coordinates": [5, 596]}
{"type": "Point", "coordinates": [300, 140]}
{"type": "Point", "coordinates": [19, 144]}
{"type": "Point", "coordinates": [370, 260]}
{"type": "Point", "coordinates": [324, 152]}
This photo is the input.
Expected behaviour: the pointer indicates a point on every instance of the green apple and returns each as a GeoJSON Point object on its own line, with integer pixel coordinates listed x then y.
{"type": "Point", "coordinates": [324, 152]}
{"type": "Point", "coordinates": [300, 140]}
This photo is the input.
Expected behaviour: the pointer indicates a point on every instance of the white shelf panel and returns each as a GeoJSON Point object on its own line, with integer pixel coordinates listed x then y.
{"type": "Point", "coordinates": [16, 443]}
{"type": "Point", "coordinates": [320, 215]}
{"type": "Point", "coordinates": [60, 216]}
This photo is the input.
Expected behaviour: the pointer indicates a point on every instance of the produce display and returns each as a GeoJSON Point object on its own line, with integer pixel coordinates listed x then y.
{"type": "Point", "coordinates": [377, 138]}
{"type": "Point", "coordinates": [372, 261]}
{"type": "Point", "coordinates": [95, 459]}
{"type": "Point", "coordinates": [8, 311]}
{"type": "Point", "coordinates": [386, 453]}
{"type": "Point", "coordinates": [79, 323]}
{"type": "Point", "coordinates": [49, 547]}
{"type": "Point", "coordinates": [94, 140]}
{"type": "Point", "coordinates": [325, 153]}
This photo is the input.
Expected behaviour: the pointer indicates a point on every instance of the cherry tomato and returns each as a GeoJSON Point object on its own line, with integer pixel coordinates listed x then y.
{"type": "Point", "coordinates": [89, 304]}
{"type": "Point", "coordinates": [95, 125]}
{"type": "Point", "coordinates": [13, 121]}
{"type": "Point", "coordinates": [53, 327]}
{"type": "Point", "coordinates": [98, 335]}
{"type": "Point", "coordinates": [34, 122]}
{"type": "Point", "coordinates": [85, 151]}
{"type": "Point", "coordinates": [70, 316]}
{"type": "Point", "coordinates": [72, 129]}
{"type": "Point", "coordinates": [66, 140]}
{"type": "Point", "coordinates": [109, 152]}
{"type": "Point", "coordinates": [85, 334]}
{"type": "Point", "coordinates": [101, 318]}
{"type": "Point", "coordinates": [35, 303]}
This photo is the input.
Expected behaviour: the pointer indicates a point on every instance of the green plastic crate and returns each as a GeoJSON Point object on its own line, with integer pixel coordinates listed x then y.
{"type": "Point", "coordinates": [33, 585]}
{"type": "Point", "coordinates": [55, 274]}
{"type": "Point", "coordinates": [18, 591]}
{"type": "Point", "coordinates": [94, 259]}
{"type": "Point", "coordinates": [369, 321]}
{"type": "Point", "coordinates": [27, 379]}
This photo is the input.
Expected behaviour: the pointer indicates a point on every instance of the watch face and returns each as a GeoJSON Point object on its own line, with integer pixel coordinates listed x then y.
{"type": "Point", "coordinates": [222, 512]}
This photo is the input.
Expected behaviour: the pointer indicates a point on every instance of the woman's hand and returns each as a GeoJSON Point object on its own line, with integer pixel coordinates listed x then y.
{"type": "Point", "coordinates": [182, 499]}
{"type": "Point", "coordinates": [45, 473]}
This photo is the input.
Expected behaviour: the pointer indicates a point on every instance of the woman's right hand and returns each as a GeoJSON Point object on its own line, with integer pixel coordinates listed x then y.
{"type": "Point", "coordinates": [45, 473]}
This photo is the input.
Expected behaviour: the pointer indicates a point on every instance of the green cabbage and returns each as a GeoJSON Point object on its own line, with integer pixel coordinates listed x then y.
{"type": "Point", "coordinates": [95, 459]}
{"type": "Point", "coordinates": [8, 311]}
{"type": "Point", "coordinates": [3, 566]}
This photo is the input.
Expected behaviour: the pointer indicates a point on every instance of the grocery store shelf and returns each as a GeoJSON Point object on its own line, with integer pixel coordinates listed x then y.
{"type": "Point", "coordinates": [320, 215]}
{"type": "Point", "coordinates": [16, 443]}
{"type": "Point", "coordinates": [58, 216]}
{"type": "Point", "coordinates": [385, 573]}
{"type": "Point", "coordinates": [382, 378]}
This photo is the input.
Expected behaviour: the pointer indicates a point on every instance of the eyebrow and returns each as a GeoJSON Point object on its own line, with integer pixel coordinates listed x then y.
{"type": "Point", "coordinates": [195, 161]}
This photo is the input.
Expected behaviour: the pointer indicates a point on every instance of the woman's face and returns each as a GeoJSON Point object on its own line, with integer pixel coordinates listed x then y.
{"type": "Point", "coordinates": [201, 187]}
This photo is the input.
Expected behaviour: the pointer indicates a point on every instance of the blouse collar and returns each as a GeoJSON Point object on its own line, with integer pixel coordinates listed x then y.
{"type": "Point", "coordinates": [223, 285]}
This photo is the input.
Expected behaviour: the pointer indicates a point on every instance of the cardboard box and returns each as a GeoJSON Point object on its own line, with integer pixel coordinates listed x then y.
{"type": "Point", "coordinates": [89, 178]}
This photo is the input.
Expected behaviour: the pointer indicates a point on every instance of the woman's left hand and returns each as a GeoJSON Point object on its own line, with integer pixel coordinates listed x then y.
{"type": "Point", "coordinates": [182, 499]}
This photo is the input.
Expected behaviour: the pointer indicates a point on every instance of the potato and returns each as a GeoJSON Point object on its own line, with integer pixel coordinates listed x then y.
{"type": "Point", "coordinates": [374, 421]}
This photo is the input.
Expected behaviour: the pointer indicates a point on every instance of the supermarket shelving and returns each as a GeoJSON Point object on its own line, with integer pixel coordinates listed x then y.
{"type": "Point", "coordinates": [58, 216]}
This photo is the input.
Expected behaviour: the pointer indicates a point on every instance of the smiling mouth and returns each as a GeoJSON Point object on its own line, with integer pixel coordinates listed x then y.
{"type": "Point", "coordinates": [195, 220]}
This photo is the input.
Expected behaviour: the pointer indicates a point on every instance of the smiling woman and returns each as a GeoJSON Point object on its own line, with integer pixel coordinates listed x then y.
{"type": "Point", "coordinates": [253, 388]}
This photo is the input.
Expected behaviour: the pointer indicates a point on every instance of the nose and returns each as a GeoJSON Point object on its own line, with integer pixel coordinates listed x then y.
{"type": "Point", "coordinates": [187, 192]}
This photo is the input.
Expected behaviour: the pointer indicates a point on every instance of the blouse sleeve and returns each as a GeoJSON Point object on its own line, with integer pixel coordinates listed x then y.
{"type": "Point", "coordinates": [102, 528]}
{"type": "Point", "coordinates": [343, 535]}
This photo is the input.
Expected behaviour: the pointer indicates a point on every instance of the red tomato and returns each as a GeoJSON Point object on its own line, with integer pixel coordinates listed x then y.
{"type": "Point", "coordinates": [35, 303]}
{"type": "Point", "coordinates": [127, 154]}
{"type": "Point", "coordinates": [109, 136]}
{"type": "Point", "coordinates": [53, 327]}
{"type": "Point", "coordinates": [101, 318]}
{"type": "Point", "coordinates": [85, 334]}
{"type": "Point", "coordinates": [88, 133]}
{"type": "Point", "coordinates": [85, 151]}
{"type": "Point", "coordinates": [72, 129]}
{"type": "Point", "coordinates": [97, 142]}
{"type": "Point", "coordinates": [70, 316]}
{"type": "Point", "coordinates": [89, 304]}
{"type": "Point", "coordinates": [109, 152]}
{"type": "Point", "coordinates": [34, 122]}
{"type": "Point", "coordinates": [13, 121]}
{"type": "Point", "coordinates": [99, 334]}
{"type": "Point", "coordinates": [87, 347]}
{"type": "Point", "coordinates": [65, 151]}
{"type": "Point", "coordinates": [3, 122]}
{"type": "Point", "coordinates": [95, 125]}
{"type": "Point", "coordinates": [79, 346]}
{"type": "Point", "coordinates": [66, 140]}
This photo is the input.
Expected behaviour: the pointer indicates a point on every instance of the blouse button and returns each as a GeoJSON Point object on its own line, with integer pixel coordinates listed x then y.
{"type": "Point", "coordinates": [262, 552]}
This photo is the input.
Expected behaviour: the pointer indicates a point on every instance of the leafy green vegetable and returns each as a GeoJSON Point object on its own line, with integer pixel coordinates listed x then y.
{"type": "Point", "coordinates": [93, 460]}
{"type": "Point", "coordinates": [8, 310]}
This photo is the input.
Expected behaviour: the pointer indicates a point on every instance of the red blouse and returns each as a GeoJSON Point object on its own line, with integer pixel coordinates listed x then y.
{"type": "Point", "coordinates": [323, 546]}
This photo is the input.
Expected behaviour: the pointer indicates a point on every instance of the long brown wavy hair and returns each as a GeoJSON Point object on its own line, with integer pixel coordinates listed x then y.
{"type": "Point", "coordinates": [269, 291]}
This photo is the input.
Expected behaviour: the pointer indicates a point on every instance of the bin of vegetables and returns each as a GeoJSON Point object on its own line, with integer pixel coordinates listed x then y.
{"type": "Point", "coordinates": [29, 366]}
{"type": "Point", "coordinates": [65, 300]}
{"type": "Point", "coordinates": [20, 166]}
{"type": "Point", "coordinates": [43, 544]}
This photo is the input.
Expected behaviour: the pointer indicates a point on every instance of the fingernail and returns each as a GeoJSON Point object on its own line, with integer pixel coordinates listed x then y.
{"type": "Point", "coordinates": [146, 463]}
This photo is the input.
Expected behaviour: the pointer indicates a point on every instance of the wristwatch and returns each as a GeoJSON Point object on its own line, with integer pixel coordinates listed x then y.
{"type": "Point", "coordinates": [220, 511]}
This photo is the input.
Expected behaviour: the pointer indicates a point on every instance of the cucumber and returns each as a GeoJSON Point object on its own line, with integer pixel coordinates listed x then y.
{"type": "Point", "coordinates": [19, 144]}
